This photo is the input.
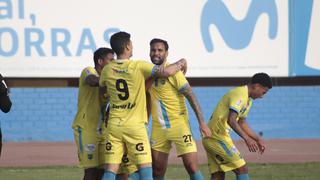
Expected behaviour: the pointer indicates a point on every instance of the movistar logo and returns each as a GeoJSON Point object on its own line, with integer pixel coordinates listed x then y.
{"type": "Point", "coordinates": [237, 34]}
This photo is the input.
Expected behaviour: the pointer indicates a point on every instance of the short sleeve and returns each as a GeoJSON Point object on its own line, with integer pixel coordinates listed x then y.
{"type": "Point", "coordinates": [236, 103]}
{"type": "Point", "coordinates": [179, 81]}
{"type": "Point", "coordinates": [90, 71]}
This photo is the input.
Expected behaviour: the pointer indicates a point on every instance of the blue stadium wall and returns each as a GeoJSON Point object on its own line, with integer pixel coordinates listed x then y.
{"type": "Point", "coordinates": [46, 114]}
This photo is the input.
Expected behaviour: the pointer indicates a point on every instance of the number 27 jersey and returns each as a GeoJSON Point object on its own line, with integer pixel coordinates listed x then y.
{"type": "Point", "coordinates": [125, 82]}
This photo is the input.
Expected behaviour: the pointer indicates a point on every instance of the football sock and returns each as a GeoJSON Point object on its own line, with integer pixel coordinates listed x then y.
{"type": "Point", "coordinates": [196, 176]}
{"type": "Point", "coordinates": [134, 176]}
{"type": "Point", "coordinates": [108, 175]}
{"type": "Point", "coordinates": [145, 173]}
{"type": "Point", "coordinates": [243, 177]}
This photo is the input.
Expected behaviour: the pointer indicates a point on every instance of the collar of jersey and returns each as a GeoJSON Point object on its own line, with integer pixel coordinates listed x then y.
{"type": "Point", "coordinates": [121, 60]}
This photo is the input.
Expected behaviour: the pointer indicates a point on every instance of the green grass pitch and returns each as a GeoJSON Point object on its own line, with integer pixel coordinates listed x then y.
{"type": "Point", "coordinates": [308, 171]}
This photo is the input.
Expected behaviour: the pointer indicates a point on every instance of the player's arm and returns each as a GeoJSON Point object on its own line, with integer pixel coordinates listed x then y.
{"type": "Point", "coordinates": [107, 113]}
{"type": "Point", "coordinates": [246, 128]}
{"type": "Point", "coordinates": [188, 93]}
{"type": "Point", "coordinates": [148, 83]}
{"type": "Point", "coordinates": [104, 99]}
{"type": "Point", "coordinates": [92, 80]}
{"type": "Point", "coordinates": [5, 102]}
{"type": "Point", "coordinates": [232, 122]}
{"type": "Point", "coordinates": [172, 69]}
{"type": "Point", "coordinates": [148, 98]}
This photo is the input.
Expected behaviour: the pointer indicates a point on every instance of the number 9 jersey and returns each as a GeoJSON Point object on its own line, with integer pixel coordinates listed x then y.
{"type": "Point", "coordinates": [125, 82]}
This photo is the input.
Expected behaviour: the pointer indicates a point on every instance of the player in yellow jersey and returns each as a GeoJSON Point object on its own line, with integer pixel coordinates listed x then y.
{"type": "Point", "coordinates": [231, 113]}
{"type": "Point", "coordinates": [124, 80]}
{"type": "Point", "coordinates": [88, 136]}
{"type": "Point", "coordinates": [170, 120]}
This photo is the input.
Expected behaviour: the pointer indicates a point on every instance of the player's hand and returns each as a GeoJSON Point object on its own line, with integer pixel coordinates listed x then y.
{"type": "Point", "coordinates": [205, 131]}
{"type": "Point", "coordinates": [261, 145]}
{"type": "Point", "coordinates": [161, 68]}
{"type": "Point", "coordinates": [251, 144]}
{"type": "Point", "coordinates": [184, 66]}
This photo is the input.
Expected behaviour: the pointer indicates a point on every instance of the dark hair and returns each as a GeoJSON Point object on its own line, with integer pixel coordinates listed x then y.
{"type": "Point", "coordinates": [156, 40]}
{"type": "Point", "coordinates": [118, 41]}
{"type": "Point", "coordinates": [262, 79]}
{"type": "Point", "coordinates": [101, 53]}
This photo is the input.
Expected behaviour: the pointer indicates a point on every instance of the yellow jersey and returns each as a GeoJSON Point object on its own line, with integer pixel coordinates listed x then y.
{"type": "Point", "coordinates": [168, 106]}
{"type": "Point", "coordinates": [236, 100]}
{"type": "Point", "coordinates": [125, 82]}
{"type": "Point", "coordinates": [88, 114]}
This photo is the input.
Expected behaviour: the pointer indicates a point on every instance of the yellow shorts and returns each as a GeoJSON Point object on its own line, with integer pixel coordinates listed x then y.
{"type": "Point", "coordinates": [135, 139]}
{"type": "Point", "coordinates": [91, 148]}
{"type": "Point", "coordinates": [127, 166]}
{"type": "Point", "coordinates": [222, 155]}
{"type": "Point", "coordinates": [181, 136]}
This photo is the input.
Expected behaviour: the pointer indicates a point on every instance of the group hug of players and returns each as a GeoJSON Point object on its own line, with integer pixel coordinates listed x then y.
{"type": "Point", "coordinates": [116, 97]}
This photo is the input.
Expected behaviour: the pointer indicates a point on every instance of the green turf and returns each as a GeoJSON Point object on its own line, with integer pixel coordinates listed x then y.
{"type": "Point", "coordinates": [308, 171]}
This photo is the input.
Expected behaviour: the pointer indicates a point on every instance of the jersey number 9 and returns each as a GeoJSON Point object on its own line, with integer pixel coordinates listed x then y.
{"type": "Point", "coordinates": [122, 87]}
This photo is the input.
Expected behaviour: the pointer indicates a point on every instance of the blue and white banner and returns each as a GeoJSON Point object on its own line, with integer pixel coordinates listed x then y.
{"type": "Point", "coordinates": [304, 38]}
{"type": "Point", "coordinates": [219, 38]}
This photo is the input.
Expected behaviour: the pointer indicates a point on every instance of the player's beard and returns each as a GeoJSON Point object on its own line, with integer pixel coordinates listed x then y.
{"type": "Point", "coordinates": [159, 61]}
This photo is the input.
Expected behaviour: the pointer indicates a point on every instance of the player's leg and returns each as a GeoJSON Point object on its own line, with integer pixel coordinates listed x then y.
{"type": "Point", "coordinates": [114, 151]}
{"type": "Point", "coordinates": [190, 162]}
{"type": "Point", "coordinates": [90, 174]}
{"type": "Point", "coordinates": [187, 149]}
{"type": "Point", "coordinates": [159, 164]}
{"type": "Point", "coordinates": [128, 168]}
{"type": "Point", "coordinates": [137, 143]}
{"type": "Point", "coordinates": [223, 156]}
{"type": "Point", "coordinates": [214, 169]}
{"type": "Point", "coordinates": [101, 138]}
{"type": "Point", "coordinates": [110, 171]}
{"type": "Point", "coordinates": [100, 173]}
{"type": "Point", "coordinates": [219, 175]}
{"type": "Point", "coordinates": [160, 148]}
{"type": "Point", "coordinates": [87, 152]}
{"type": "Point", "coordinates": [242, 173]}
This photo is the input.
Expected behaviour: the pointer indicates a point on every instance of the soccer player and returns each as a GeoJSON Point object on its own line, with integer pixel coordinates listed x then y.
{"type": "Point", "coordinates": [124, 80]}
{"type": "Point", "coordinates": [170, 120]}
{"type": "Point", "coordinates": [5, 103]}
{"type": "Point", "coordinates": [231, 113]}
{"type": "Point", "coordinates": [88, 136]}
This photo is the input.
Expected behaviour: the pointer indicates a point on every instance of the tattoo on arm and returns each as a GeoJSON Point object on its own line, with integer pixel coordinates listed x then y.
{"type": "Point", "coordinates": [188, 93]}
{"type": "Point", "coordinates": [92, 80]}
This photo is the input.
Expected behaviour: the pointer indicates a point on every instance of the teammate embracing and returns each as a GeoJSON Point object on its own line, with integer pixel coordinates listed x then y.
{"type": "Point", "coordinates": [124, 80]}
{"type": "Point", "coordinates": [88, 136]}
{"type": "Point", "coordinates": [170, 120]}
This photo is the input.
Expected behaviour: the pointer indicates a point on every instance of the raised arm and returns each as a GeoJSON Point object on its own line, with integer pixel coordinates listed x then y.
{"type": "Point", "coordinates": [251, 144]}
{"type": "Point", "coordinates": [188, 93]}
{"type": "Point", "coordinates": [172, 69]}
{"type": "Point", "coordinates": [246, 128]}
